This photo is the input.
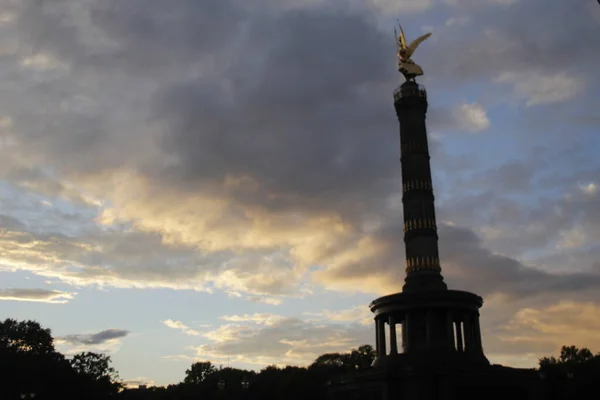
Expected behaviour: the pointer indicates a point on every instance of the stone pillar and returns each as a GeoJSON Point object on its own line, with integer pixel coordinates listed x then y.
{"type": "Point", "coordinates": [468, 327]}
{"type": "Point", "coordinates": [404, 335]}
{"type": "Point", "coordinates": [377, 345]}
{"type": "Point", "coordinates": [477, 329]}
{"type": "Point", "coordinates": [429, 329]}
{"type": "Point", "coordinates": [393, 340]}
{"type": "Point", "coordinates": [407, 327]}
{"type": "Point", "coordinates": [459, 336]}
{"type": "Point", "coordinates": [381, 335]}
{"type": "Point", "coordinates": [420, 237]}
{"type": "Point", "coordinates": [450, 331]}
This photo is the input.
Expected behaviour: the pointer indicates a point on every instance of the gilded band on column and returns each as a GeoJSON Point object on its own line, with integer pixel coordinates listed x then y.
{"type": "Point", "coordinates": [416, 185]}
{"type": "Point", "coordinates": [413, 146]}
{"type": "Point", "coordinates": [420, 223]}
{"type": "Point", "coordinates": [422, 263]}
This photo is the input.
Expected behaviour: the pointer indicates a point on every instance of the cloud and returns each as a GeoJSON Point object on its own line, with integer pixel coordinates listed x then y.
{"type": "Point", "coordinates": [472, 117]}
{"type": "Point", "coordinates": [93, 339]}
{"type": "Point", "coordinates": [84, 260]}
{"type": "Point", "coordinates": [10, 223]}
{"type": "Point", "coordinates": [181, 326]}
{"type": "Point", "coordinates": [591, 188]}
{"type": "Point", "coordinates": [289, 341]}
{"type": "Point", "coordinates": [466, 263]}
{"type": "Point", "coordinates": [304, 176]}
{"type": "Point", "coordinates": [36, 295]}
{"type": "Point", "coordinates": [273, 301]}
{"type": "Point", "coordinates": [460, 21]}
{"type": "Point", "coordinates": [509, 225]}
{"type": "Point", "coordinates": [573, 238]}
{"type": "Point", "coordinates": [474, 3]}
{"type": "Point", "coordinates": [137, 382]}
{"type": "Point", "coordinates": [511, 177]}
{"type": "Point", "coordinates": [394, 8]}
{"type": "Point", "coordinates": [107, 341]}
{"type": "Point", "coordinates": [463, 117]}
{"type": "Point", "coordinates": [545, 329]}
{"type": "Point", "coordinates": [359, 314]}
{"type": "Point", "coordinates": [517, 333]}
{"type": "Point", "coordinates": [538, 89]}
{"type": "Point", "coordinates": [41, 62]}
{"type": "Point", "coordinates": [256, 318]}
{"type": "Point", "coordinates": [500, 274]}
{"type": "Point", "coordinates": [505, 40]}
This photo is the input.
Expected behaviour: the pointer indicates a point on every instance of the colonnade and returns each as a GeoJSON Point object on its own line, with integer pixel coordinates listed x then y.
{"type": "Point", "coordinates": [428, 330]}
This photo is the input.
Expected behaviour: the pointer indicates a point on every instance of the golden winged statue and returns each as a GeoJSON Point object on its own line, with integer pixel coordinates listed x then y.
{"type": "Point", "coordinates": [406, 65]}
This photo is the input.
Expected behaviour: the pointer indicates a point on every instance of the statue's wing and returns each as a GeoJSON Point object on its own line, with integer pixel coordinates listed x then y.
{"type": "Point", "coordinates": [413, 46]}
{"type": "Point", "coordinates": [402, 37]}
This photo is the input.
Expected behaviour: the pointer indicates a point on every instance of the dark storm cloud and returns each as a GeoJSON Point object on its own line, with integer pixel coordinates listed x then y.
{"type": "Point", "coordinates": [551, 35]}
{"type": "Point", "coordinates": [466, 263]}
{"type": "Point", "coordinates": [95, 338]}
{"type": "Point", "coordinates": [84, 116]}
{"type": "Point", "coordinates": [304, 126]}
{"type": "Point", "coordinates": [10, 223]}
{"type": "Point", "coordinates": [299, 101]}
{"type": "Point", "coordinates": [140, 36]}
{"type": "Point", "coordinates": [494, 199]}
{"type": "Point", "coordinates": [477, 268]}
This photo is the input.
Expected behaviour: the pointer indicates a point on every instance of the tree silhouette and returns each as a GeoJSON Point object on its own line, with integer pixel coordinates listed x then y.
{"type": "Point", "coordinates": [198, 372]}
{"type": "Point", "coordinates": [332, 361]}
{"type": "Point", "coordinates": [94, 370]}
{"type": "Point", "coordinates": [30, 363]}
{"type": "Point", "coordinates": [569, 356]}
{"type": "Point", "coordinates": [25, 337]}
{"type": "Point", "coordinates": [357, 359]}
{"type": "Point", "coordinates": [575, 372]}
{"type": "Point", "coordinates": [363, 356]}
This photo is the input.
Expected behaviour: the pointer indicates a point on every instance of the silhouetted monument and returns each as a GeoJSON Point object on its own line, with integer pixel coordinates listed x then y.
{"type": "Point", "coordinates": [428, 338]}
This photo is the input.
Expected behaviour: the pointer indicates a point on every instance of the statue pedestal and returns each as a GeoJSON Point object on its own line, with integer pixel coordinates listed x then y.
{"type": "Point", "coordinates": [410, 70]}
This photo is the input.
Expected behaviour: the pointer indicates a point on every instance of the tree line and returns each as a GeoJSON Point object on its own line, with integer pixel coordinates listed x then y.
{"type": "Point", "coordinates": [31, 367]}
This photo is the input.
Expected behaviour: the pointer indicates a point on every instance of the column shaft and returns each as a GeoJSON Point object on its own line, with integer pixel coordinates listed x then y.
{"type": "Point", "coordinates": [393, 339]}
{"type": "Point", "coordinates": [450, 331]}
{"type": "Point", "coordinates": [459, 336]}
{"type": "Point", "coordinates": [407, 327]}
{"type": "Point", "coordinates": [404, 335]}
{"type": "Point", "coordinates": [377, 345]}
{"type": "Point", "coordinates": [429, 328]}
{"type": "Point", "coordinates": [477, 329]}
{"type": "Point", "coordinates": [381, 334]}
{"type": "Point", "coordinates": [468, 327]}
{"type": "Point", "coordinates": [420, 234]}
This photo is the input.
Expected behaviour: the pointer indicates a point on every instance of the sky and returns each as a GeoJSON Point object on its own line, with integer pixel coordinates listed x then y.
{"type": "Point", "coordinates": [219, 180]}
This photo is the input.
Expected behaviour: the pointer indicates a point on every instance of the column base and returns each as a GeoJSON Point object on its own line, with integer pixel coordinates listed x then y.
{"type": "Point", "coordinates": [424, 282]}
{"type": "Point", "coordinates": [427, 359]}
